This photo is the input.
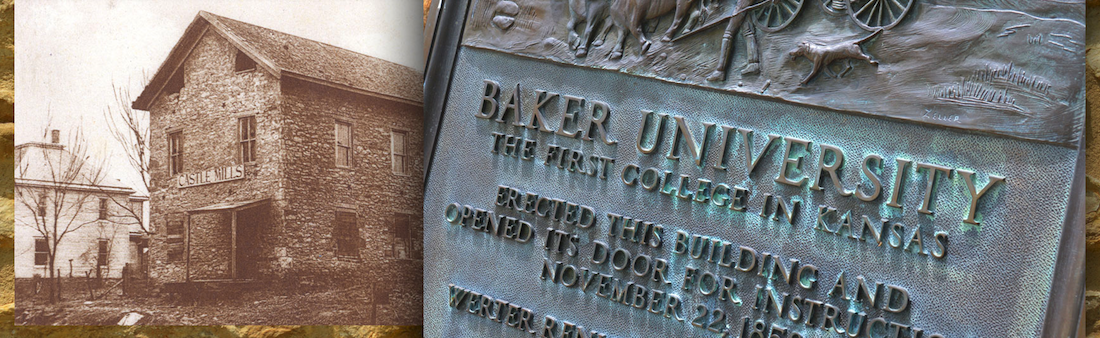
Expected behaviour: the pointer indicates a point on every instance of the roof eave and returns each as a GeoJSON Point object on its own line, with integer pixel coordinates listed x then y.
{"type": "Point", "coordinates": [167, 67]}
{"type": "Point", "coordinates": [74, 186]}
{"type": "Point", "coordinates": [356, 90]}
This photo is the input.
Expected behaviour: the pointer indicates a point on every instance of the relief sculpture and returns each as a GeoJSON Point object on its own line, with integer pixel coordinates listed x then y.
{"type": "Point", "coordinates": [821, 55]}
{"type": "Point", "coordinates": [591, 13]}
{"type": "Point", "coordinates": [928, 49]}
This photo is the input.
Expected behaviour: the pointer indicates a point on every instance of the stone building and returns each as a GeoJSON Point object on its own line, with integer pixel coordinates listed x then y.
{"type": "Point", "coordinates": [89, 217]}
{"type": "Point", "coordinates": [278, 158]}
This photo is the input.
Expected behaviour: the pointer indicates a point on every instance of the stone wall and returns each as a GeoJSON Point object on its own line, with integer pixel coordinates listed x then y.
{"type": "Point", "coordinates": [369, 187]}
{"type": "Point", "coordinates": [211, 245]}
{"type": "Point", "coordinates": [206, 111]}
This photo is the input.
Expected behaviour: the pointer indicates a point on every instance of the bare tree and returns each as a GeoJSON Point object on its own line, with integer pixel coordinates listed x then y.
{"type": "Point", "coordinates": [130, 128]}
{"type": "Point", "coordinates": [57, 188]}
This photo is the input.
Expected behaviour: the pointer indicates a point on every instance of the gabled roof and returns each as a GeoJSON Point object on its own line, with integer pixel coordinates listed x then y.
{"type": "Point", "coordinates": [283, 54]}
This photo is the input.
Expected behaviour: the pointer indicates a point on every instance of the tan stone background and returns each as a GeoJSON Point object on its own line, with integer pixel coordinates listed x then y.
{"type": "Point", "coordinates": [1092, 231]}
{"type": "Point", "coordinates": [7, 11]}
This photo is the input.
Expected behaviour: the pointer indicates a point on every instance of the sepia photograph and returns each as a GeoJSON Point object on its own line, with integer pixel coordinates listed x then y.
{"type": "Point", "coordinates": [218, 163]}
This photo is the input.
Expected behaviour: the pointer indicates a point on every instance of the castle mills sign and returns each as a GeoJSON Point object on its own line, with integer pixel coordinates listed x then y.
{"type": "Point", "coordinates": [739, 168]}
{"type": "Point", "coordinates": [210, 176]}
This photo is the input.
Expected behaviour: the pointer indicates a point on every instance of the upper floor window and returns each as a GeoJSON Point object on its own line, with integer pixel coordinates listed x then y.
{"type": "Point", "coordinates": [41, 251]}
{"type": "Point", "coordinates": [242, 62]}
{"type": "Point", "coordinates": [398, 155]}
{"type": "Point", "coordinates": [175, 83]}
{"type": "Point", "coordinates": [343, 144]}
{"type": "Point", "coordinates": [345, 232]}
{"type": "Point", "coordinates": [102, 208]}
{"type": "Point", "coordinates": [137, 209]}
{"type": "Point", "coordinates": [42, 204]}
{"type": "Point", "coordinates": [175, 152]}
{"type": "Point", "coordinates": [247, 130]}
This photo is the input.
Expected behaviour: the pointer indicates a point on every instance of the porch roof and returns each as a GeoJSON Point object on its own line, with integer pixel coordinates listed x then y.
{"type": "Point", "coordinates": [229, 206]}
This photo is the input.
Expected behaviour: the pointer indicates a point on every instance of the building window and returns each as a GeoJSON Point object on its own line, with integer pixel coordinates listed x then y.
{"type": "Point", "coordinates": [42, 205]}
{"type": "Point", "coordinates": [399, 156]}
{"type": "Point", "coordinates": [346, 234]}
{"type": "Point", "coordinates": [247, 131]}
{"type": "Point", "coordinates": [343, 144]}
{"type": "Point", "coordinates": [401, 235]}
{"type": "Point", "coordinates": [102, 208]}
{"type": "Point", "coordinates": [175, 83]}
{"type": "Point", "coordinates": [41, 251]}
{"type": "Point", "coordinates": [175, 241]}
{"type": "Point", "coordinates": [175, 152]}
{"type": "Point", "coordinates": [101, 257]}
{"type": "Point", "coordinates": [243, 63]}
{"type": "Point", "coordinates": [137, 208]}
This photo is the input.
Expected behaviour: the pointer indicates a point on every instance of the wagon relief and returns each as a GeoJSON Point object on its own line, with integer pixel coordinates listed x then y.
{"type": "Point", "coordinates": [592, 21]}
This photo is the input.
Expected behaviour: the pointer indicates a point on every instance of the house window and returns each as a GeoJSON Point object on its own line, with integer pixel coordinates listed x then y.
{"type": "Point", "coordinates": [247, 133]}
{"type": "Point", "coordinates": [175, 241]}
{"type": "Point", "coordinates": [41, 205]}
{"type": "Point", "coordinates": [175, 152]}
{"type": "Point", "coordinates": [346, 234]}
{"type": "Point", "coordinates": [343, 144]}
{"type": "Point", "coordinates": [41, 251]}
{"type": "Point", "coordinates": [399, 156]}
{"type": "Point", "coordinates": [102, 208]}
{"type": "Point", "coordinates": [401, 235]}
{"type": "Point", "coordinates": [138, 210]}
{"type": "Point", "coordinates": [243, 63]}
{"type": "Point", "coordinates": [101, 257]}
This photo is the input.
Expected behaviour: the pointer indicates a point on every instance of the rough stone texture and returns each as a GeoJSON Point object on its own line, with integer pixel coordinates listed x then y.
{"type": "Point", "coordinates": [206, 112]}
{"type": "Point", "coordinates": [369, 187]}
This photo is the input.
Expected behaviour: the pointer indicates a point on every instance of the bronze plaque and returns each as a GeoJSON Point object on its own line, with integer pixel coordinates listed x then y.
{"type": "Point", "coordinates": [741, 168]}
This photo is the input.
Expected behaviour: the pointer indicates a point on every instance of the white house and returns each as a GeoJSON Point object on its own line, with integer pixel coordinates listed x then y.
{"type": "Point", "coordinates": [63, 199]}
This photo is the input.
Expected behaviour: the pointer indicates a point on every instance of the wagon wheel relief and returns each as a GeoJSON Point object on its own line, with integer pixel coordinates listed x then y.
{"type": "Point", "coordinates": [776, 15]}
{"type": "Point", "coordinates": [835, 7]}
{"type": "Point", "coordinates": [874, 14]}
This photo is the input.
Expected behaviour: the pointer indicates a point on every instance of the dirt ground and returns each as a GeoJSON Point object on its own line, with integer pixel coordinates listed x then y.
{"type": "Point", "coordinates": [334, 306]}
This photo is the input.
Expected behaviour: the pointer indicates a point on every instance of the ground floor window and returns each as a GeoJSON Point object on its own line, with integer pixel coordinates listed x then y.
{"type": "Point", "coordinates": [175, 241]}
{"type": "Point", "coordinates": [345, 232]}
{"type": "Point", "coordinates": [41, 251]}
{"type": "Point", "coordinates": [101, 256]}
{"type": "Point", "coordinates": [402, 237]}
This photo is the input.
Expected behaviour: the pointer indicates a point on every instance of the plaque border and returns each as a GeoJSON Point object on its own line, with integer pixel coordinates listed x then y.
{"type": "Point", "coordinates": [1065, 303]}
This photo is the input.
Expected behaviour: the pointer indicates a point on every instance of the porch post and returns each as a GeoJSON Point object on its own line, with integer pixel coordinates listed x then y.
{"type": "Point", "coordinates": [233, 246]}
{"type": "Point", "coordinates": [187, 269]}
